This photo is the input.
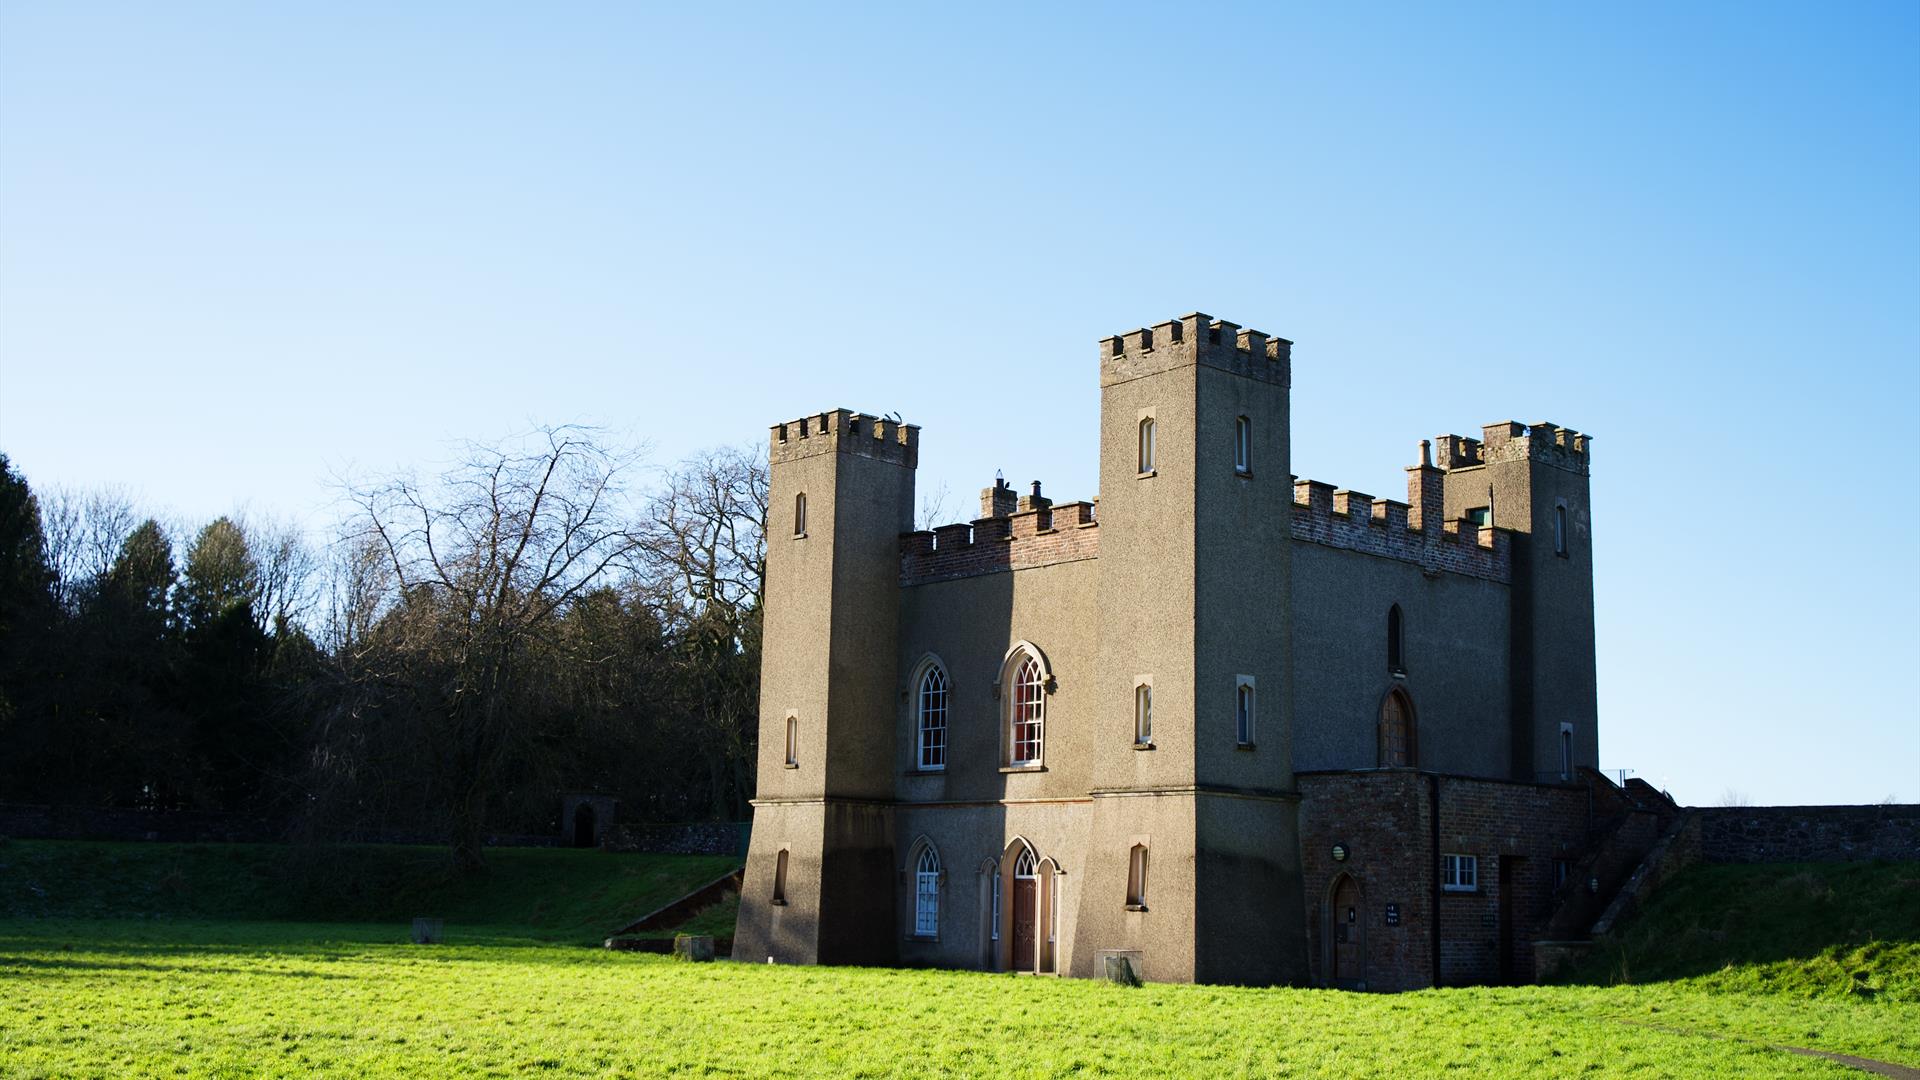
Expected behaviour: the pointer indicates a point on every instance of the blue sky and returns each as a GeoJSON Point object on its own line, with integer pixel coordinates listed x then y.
{"type": "Point", "coordinates": [246, 248]}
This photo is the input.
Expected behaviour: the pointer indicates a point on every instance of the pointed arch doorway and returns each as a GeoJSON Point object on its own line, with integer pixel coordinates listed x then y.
{"type": "Point", "coordinates": [1346, 935]}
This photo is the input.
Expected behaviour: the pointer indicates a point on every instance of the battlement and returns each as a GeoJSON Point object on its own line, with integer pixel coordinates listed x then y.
{"type": "Point", "coordinates": [847, 432]}
{"type": "Point", "coordinates": [1195, 338]}
{"type": "Point", "coordinates": [1038, 534]}
{"type": "Point", "coordinates": [1511, 441]}
{"type": "Point", "coordinates": [1356, 521]}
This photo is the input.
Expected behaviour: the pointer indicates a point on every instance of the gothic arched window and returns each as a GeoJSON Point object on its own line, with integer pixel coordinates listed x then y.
{"type": "Point", "coordinates": [1024, 690]}
{"type": "Point", "coordinates": [926, 893]}
{"type": "Point", "coordinates": [930, 714]}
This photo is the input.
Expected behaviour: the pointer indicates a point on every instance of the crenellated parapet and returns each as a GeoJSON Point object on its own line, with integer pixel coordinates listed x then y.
{"type": "Point", "coordinates": [1032, 536]}
{"type": "Point", "coordinates": [1356, 521]}
{"type": "Point", "coordinates": [847, 432]}
{"type": "Point", "coordinates": [1195, 338]}
{"type": "Point", "coordinates": [1511, 441]}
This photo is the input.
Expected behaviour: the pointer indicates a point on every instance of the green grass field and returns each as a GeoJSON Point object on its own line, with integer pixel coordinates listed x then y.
{"type": "Point", "coordinates": [165, 994]}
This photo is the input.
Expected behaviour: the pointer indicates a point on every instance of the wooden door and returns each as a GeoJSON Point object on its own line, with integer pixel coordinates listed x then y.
{"type": "Point", "coordinates": [1025, 895]}
{"type": "Point", "coordinates": [1347, 921]}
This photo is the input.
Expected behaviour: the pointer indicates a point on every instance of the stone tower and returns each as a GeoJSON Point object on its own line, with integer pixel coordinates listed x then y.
{"type": "Point", "coordinates": [839, 497]}
{"type": "Point", "coordinates": [1194, 595]}
{"type": "Point", "coordinates": [1533, 479]}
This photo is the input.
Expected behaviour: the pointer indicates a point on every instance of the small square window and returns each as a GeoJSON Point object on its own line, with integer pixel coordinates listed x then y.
{"type": "Point", "coordinates": [1460, 873]}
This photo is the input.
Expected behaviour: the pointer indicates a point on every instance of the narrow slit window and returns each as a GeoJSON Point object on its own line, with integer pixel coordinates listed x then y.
{"type": "Point", "coordinates": [1243, 711]}
{"type": "Point", "coordinates": [1566, 751]}
{"type": "Point", "coordinates": [1396, 642]}
{"type": "Point", "coordinates": [800, 514]}
{"type": "Point", "coordinates": [993, 921]}
{"type": "Point", "coordinates": [1137, 878]}
{"type": "Point", "coordinates": [1143, 715]}
{"type": "Point", "coordinates": [1146, 444]}
{"type": "Point", "coordinates": [780, 877]}
{"type": "Point", "coordinates": [1560, 530]}
{"type": "Point", "coordinates": [793, 740]}
{"type": "Point", "coordinates": [1243, 446]}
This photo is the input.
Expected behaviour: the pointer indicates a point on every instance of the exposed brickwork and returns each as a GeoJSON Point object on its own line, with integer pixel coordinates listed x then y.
{"type": "Point", "coordinates": [990, 545]}
{"type": "Point", "coordinates": [1359, 522]}
{"type": "Point", "coordinates": [1383, 816]}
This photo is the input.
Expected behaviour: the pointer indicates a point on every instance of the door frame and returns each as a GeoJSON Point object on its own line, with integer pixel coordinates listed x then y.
{"type": "Point", "coordinates": [1331, 918]}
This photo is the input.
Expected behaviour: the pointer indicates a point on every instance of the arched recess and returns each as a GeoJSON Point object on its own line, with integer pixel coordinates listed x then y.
{"type": "Point", "coordinates": [1019, 876]}
{"type": "Point", "coordinates": [1398, 730]}
{"type": "Point", "coordinates": [989, 874]}
{"type": "Point", "coordinates": [1048, 962]}
{"type": "Point", "coordinates": [929, 709]}
{"type": "Point", "coordinates": [1021, 688]}
{"type": "Point", "coordinates": [1343, 938]}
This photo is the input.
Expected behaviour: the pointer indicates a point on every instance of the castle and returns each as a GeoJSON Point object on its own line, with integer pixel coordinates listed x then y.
{"type": "Point", "coordinates": [1219, 725]}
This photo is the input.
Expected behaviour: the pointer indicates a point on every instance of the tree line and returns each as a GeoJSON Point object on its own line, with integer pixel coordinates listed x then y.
{"type": "Point", "coordinates": [468, 645]}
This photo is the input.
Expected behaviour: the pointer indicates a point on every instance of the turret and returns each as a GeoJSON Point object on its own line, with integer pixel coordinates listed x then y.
{"type": "Point", "coordinates": [840, 494]}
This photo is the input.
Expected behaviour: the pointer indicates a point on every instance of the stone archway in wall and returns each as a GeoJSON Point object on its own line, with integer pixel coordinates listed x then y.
{"type": "Point", "coordinates": [1344, 934]}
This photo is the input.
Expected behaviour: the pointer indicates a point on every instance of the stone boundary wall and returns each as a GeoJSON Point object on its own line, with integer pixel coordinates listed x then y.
{"type": "Point", "coordinates": [1769, 834]}
{"type": "Point", "coordinates": [685, 838]}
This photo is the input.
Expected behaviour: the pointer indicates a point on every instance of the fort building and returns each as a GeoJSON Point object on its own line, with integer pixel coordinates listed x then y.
{"type": "Point", "coordinates": [1221, 723]}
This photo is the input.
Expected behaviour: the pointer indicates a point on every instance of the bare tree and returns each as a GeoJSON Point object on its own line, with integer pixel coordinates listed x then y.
{"type": "Point", "coordinates": [935, 509]}
{"type": "Point", "coordinates": [84, 531]}
{"type": "Point", "coordinates": [703, 566]}
{"type": "Point", "coordinates": [288, 566]}
{"type": "Point", "coordinates": [484, 560]}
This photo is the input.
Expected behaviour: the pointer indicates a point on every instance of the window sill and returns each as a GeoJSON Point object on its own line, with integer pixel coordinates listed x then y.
{"type": "Point", "coordinates": [1400, 673]}
{"type": "Point", "coordinates": [799, 536]}
{"type": "Point", "coordinates": [777, 902]}
{"type": "Point", "coordinates": [1244, 474]}
{"type": "Point", "coordinates": [1143, 746]}
{"type": "Point", "coordinates": [923, 938]}
{"type": "Point", "coordinates": [1022, 768]}
{"type": "Point", "coordinates": [791, 765]}
{"type": "Point", "coordinates": [1136, 907]}
{"type": "Point", "coordinates": [1146, 475]}
{"type": "Point", "coordinates": [937, 770]}
{"type": "Point", "coordinates": [1247, 746]}
{"type": "Point", "coordinates": [1456, 890]}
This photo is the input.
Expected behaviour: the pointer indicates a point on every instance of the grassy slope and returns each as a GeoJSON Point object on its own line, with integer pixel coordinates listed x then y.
{"type": "Point", "coordinates": [122, 998]}
{"type": "Point", "coordinates": [546, 894]}
{"type": "Point", "coordinates": [1838, 930]}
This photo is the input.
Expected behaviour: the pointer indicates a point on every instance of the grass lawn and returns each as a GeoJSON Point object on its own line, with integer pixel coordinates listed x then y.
{"type": "Point", "coordinates": [197, 960]}
{"type": "Point", "coordinates": [161, 998]}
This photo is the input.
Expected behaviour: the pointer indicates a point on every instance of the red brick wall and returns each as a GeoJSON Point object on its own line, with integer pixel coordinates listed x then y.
{"type": "Point", "coordinates": [1382, 816]}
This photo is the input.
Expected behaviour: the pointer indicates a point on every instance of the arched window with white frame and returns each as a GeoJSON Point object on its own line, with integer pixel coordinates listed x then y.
{"type": "Point", "coordinates": [926, 893]}
{"type": "Point", "coordinates": [1024, 701]}
{"type": "Point", "coordinates": [930, 718]}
